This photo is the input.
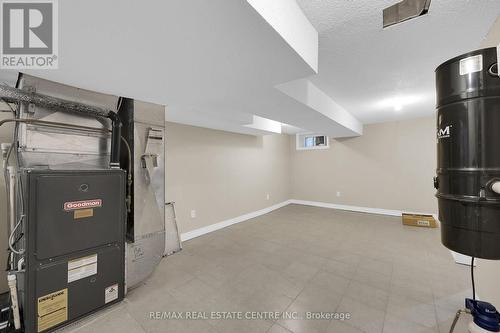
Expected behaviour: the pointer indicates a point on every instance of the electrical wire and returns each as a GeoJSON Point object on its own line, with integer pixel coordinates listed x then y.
{"type": "Point", "coordinates": [11, 247]}
{"type": "Point", "coordinates": [472, 278]}
{"type": "Point", "coordinates": [12, 244]}
{"type": "Point", "coordinates": [20, 192]}
{"type": "Point", "coordinates": [129, 152]}
{"type": "Point", "coordinates": [459, 312]}
{"type": "Point", "coordinates": [16, 145]}
{"type": "Point", "coordinates": [129, 176]}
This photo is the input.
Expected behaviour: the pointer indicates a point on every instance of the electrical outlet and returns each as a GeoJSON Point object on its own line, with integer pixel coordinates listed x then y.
{"type": "Point", "coordinates": [268, 196]}
{"type": "Point", "coordinates": [193, 214]}
{"type": "Point", "coordinates": [338, 193]}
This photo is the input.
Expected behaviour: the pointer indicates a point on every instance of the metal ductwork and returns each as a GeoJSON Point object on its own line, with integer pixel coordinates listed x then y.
{"type": "Point", "coordinates": [15, 95]}
{"type": "Point", "coordinates": [405, 10]}
{"type": "Point", "coordinates": [87, 221]}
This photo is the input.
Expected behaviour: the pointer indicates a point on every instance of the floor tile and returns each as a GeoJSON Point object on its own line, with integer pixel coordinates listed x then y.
{"type": "Point", "coordinates": [371, 296]}
{"type": "Point", "coordinates": [337, 326]}
{"type": "Point", "coordinates": [300, 259]}
{"type": "Point", "coordinates": [363, 317]}
{"type": "Point", "coordinates": [331, 282]}
{"type": "Point", "coordinates": [278, 329]}
{"type": "Point", "coordinates": [394, 324]}
{"type": "Point", "coordinates": [411, 310]}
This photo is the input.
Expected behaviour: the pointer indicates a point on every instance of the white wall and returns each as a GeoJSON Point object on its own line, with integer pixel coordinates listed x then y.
{"type": "Point", "coordinates": [223, 175]}
{"type": "Point", "coordinates": [391, 166]}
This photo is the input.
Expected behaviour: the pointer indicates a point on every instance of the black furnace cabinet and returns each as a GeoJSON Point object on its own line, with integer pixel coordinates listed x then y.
{"type": "Point", "coordinates": [75, 234]}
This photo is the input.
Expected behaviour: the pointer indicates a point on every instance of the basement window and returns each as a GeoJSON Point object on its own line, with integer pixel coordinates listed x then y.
{"type": "Point", "coordinates": [309, 141]}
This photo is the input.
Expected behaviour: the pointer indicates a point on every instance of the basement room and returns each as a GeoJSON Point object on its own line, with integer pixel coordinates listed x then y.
{"type": "Point", "coordinates": [250, 166]}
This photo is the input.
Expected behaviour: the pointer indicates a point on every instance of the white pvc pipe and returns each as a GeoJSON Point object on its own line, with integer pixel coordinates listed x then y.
{"type": "Point", "coordinates": [11, 279]}
{"type": "Point", "coordinates": [496, 187]}
{"type": "Point", "coordinates": [12, 197]}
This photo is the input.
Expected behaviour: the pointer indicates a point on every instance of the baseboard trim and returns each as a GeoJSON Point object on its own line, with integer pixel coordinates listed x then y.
{"type": "Point", "coordinates": [217, 226]}
{"type": "Point", "coordinates": [369, 210]}
{"type": "Point", "coordinates": [347, 207]}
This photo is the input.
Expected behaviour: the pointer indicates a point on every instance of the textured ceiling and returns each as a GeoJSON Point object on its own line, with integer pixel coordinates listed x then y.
{"type": "Point", "coordinates": [368, 70]}
{"type": "Point", "coordinates": [213, 63]}
{"type": "Point", "coordinates": [217, 63]}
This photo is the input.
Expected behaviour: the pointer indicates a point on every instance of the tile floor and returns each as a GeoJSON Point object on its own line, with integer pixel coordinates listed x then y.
{"type": "Point", "coordinates": [388, 277]}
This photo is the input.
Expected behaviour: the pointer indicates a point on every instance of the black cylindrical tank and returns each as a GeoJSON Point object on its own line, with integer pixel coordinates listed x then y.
{"type": "Point", "coordinates": [468, 153]}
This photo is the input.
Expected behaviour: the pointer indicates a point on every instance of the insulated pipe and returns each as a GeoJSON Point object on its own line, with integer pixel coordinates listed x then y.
{"type": "Point", "coordinates": [17, 95]}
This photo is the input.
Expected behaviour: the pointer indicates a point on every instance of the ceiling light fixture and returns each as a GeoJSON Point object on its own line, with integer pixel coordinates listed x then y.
{"type": "Point", "coordinates": [398, 102]}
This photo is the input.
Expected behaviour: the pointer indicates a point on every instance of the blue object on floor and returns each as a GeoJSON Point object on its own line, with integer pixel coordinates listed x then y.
{"type": "Point", "coordinates": [484, 315]}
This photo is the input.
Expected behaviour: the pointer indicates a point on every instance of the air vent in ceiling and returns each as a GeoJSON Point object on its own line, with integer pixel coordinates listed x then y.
{"type": "Point", "coordinates": [405, 10]}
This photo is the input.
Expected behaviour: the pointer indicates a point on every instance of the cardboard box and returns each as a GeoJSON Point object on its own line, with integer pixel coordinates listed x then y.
{"type": "Point", "coordinates": [417, 220]}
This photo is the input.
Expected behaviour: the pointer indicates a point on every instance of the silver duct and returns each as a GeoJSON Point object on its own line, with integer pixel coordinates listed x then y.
{"type": "Point", "coordinates": [9, 94]}
{"type": "Point", "coordinates": [405, 10]}
{"type": "Point", "coordinates": [64, 128]}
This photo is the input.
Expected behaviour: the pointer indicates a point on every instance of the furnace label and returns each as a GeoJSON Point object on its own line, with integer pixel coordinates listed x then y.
{"type": "Point", "coordinates": [82, 267]}
{"type": "Point", "coordinates": [52, 309]}
{"type": "Point", "coordinates": [110, 293]}
{"type": "Point", "coordinates": [74, 205]}
{"type": "Point", "coordinates": [83, 213]}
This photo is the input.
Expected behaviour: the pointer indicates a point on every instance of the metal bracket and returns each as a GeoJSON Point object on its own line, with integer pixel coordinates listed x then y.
{"type": "Point", "coordinates": [31, 107]}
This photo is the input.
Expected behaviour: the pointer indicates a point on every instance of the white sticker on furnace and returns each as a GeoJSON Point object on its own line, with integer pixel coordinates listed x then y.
{"type": "Point", "coordinates": [82, 267]}
{"type": "Point", "coordinates": [110, 293]}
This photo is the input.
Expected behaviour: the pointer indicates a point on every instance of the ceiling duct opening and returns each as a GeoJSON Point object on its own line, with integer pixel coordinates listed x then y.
{"type": "Point", "coordinates": [405, 10]}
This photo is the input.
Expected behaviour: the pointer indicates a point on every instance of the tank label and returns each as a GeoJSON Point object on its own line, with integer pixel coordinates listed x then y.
{"type": "Point", "coordinates": [471, 65]}
{"type": "Point", "coordinates": [82, 267]}
{"type": "Point", "coordinates": [52, 309]}
{"type": "Point", "coordinates": [110, 293]}
{"type": "Point", "coordinates": [444, 132]}
{"type": "Point", "coordinates": [74, 205]}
